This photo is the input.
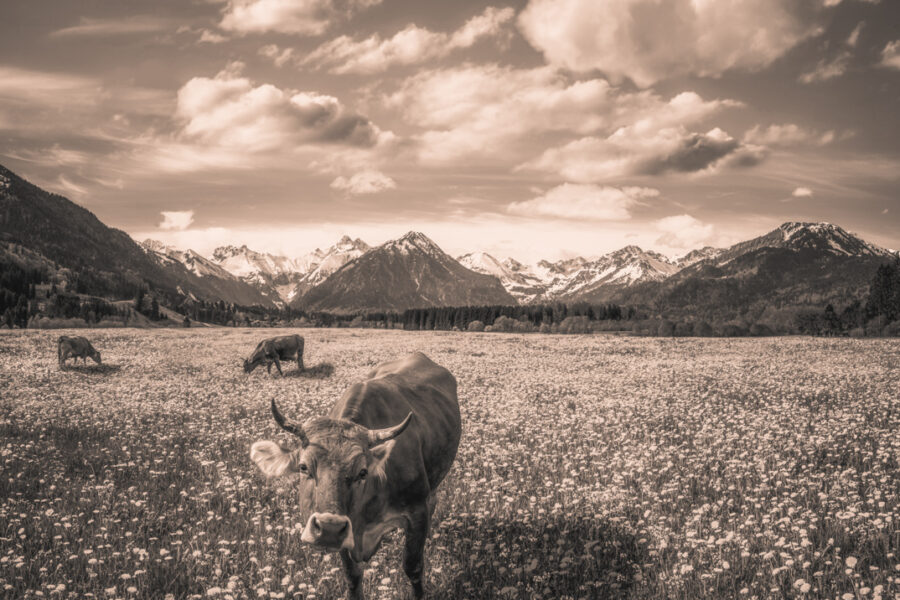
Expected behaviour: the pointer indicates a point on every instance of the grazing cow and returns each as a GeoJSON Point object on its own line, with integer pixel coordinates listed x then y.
{"type": "Point", "coordinates": [274, 350]}
{"type": "Point", "coordinates": [75, 347]}
{"type": "Point", "coordinates": [373, 464]}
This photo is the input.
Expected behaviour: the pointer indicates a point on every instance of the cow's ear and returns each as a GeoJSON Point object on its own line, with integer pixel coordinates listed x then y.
{"type": "Point", "coordinates": [381, 453]}
{"type": "Point", "coordinates": [272, 459]}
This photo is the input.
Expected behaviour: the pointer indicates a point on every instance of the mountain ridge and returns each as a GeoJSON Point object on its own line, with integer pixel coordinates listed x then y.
{"type": "Point", "coordinates": [797, 263]}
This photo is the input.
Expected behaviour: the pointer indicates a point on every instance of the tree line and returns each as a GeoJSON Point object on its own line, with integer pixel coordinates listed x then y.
{"type": "Point", "coordinates": [878, 315]}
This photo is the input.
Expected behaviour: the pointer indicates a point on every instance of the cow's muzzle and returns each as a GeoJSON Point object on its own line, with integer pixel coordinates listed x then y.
{"type": "Point", "coordinates": [328, 531]}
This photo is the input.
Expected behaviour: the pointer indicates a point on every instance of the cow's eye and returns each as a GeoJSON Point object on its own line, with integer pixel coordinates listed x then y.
{"type": "Point", "coordinates": [304, 469]}
{"type": "Point", "coordinates": [362, 474]}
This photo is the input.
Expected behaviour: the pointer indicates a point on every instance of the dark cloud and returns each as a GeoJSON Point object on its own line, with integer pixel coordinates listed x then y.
{"type": "Point", "coordinates": [696, 152]}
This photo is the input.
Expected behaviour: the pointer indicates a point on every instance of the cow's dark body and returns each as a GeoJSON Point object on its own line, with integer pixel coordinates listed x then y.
{"type": "Point", "coordinates": [391, 391]}
{"type": "Point", "coordinates": [419, 461]}
{"type": "Point", "coordinates": [274, 350]}
{"type": "Point", "coordinates": [75, 347]}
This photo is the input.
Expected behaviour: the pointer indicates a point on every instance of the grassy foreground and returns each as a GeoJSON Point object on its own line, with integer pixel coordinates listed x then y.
{"type": "Point", "coordinates": [590, 467]}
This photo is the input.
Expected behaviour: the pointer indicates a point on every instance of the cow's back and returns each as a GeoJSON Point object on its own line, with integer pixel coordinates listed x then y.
{"type": "Point", "coordinates": [75, 345]}
{"type": "Point", "coordinates": [394, 389]}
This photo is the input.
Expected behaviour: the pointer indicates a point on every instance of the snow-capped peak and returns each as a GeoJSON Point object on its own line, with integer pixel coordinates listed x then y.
{"type": "Point", "coordinates": [414, 241]}
{"type": "Point", "coordinates": [483, 262]}
{"type": "Point", "coordinates": [827, 237]}
{"type": "Point", "coordinates": [193, 261]}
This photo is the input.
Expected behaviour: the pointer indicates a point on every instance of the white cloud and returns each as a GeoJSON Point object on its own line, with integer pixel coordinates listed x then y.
{"type": "Point", "coordinates": [62, 106]}
{"type": "Point", "coordinates": [116, 26]}
{"type": "Point", "coordinates": [827, 69]}
{"type": "Point", "coordinates": [578, 201]}
{"type": "Point", "coordinates": [788, 134]}
{"type": "Point", "coordinates": [412, 45]}
{"type": "Point", "coordinates": [230, 112]}
{"type": "Point", "coordinates": [488, 110]}
{"type": "Point", "coordinates": [685, 232]}
{"type": "Point", "coordinates": [364, 182]}
{"type": "Point", "coordinates": [70, 187]}
{"type": "Point", "coordinates": [853, 38]}
{"type": "Point", "coordinates": [890, 55]}
{"type": "Point", "coordinates": [176, 220]}
{"type": "Point", "coordinates": [636, 150]}
{"type": "Point", "coordinates": [802, 192]}
{"type": "Point", "coordinates": [302, 17]}
{"type": "Point", "coordinates": [211, 37]}
{"type": "Point", "coordinates": [30, 86]}
{"type": "Point", "coordinates": [277, 55]}
{"type": "Point", "coordinates": [650, 40]}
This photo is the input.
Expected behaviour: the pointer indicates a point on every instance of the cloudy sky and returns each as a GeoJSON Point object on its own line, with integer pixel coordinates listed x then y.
{"type": "Point", "coordinates": [531, 128]}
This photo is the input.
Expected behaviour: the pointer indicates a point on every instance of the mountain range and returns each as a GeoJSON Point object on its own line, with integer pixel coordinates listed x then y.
{"type": "Point", "coordinates": [798, 263]}
{"type": "Point", "coordinates": [283, 279]}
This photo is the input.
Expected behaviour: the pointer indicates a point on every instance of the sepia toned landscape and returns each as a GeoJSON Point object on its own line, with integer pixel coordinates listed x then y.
{"type": "Point", "coordinates": [459, 300]}
{"type": "Point", "coordinates": [597, 466]}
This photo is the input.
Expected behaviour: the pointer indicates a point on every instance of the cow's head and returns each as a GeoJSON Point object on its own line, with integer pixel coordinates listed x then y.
{"type": "Point", "coordinates": [96, 356]}
{"type": "Point", "coordinates": [258, 357]}
{"type": "Point", "coordinates": [342, 474]}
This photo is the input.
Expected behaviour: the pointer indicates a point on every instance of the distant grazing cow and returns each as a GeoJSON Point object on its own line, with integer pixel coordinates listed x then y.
{"type": "Point", "coordinates": [373, 464]}
{"type": "Point", "coordinates": [274, 350]}
{"type": "Point", "coordinates": [75, 347]}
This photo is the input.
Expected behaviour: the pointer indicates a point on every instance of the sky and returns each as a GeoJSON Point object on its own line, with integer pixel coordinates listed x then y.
{"type": "Point", "coordinates": [537, 129]}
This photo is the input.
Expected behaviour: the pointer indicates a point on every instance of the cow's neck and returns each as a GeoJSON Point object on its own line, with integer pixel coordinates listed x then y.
{"type": "Point", "coordinates": [368, 542]}
{"type": "Point", "coordinates": [380, 518]}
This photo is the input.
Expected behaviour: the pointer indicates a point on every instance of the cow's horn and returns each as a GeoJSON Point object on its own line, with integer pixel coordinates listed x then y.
{"type": "Point", "coordinates": [289, 427]}
{"type": "Point", "coordinates": [379, 436]}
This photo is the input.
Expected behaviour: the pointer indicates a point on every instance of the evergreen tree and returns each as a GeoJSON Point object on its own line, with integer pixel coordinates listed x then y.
{"type": "Point", "coordinates": [884, 294]}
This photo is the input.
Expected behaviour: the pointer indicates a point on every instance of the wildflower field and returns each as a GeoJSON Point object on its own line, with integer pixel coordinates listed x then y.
{"type": "Point", "coordinates": [590, 467]}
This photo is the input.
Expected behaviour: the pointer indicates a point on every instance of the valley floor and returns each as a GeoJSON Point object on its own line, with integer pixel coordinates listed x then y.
{"type": "Point", "coordinates": [590, 466]}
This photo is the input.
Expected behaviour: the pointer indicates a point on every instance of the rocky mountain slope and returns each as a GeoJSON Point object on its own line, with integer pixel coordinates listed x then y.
{"type": "Point", "coordinates": [102, 260]}
{"type": "Point", "coordinates": [409, 272]}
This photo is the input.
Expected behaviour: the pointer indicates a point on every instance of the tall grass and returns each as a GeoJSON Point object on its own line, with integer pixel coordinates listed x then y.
{"type": "Point", "coordinates": [590, 467]}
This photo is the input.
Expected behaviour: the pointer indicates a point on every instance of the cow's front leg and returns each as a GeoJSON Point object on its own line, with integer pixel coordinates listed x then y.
{"type": "Point", "coordinates": [354, 575]}
{"type": "Point", "coordinates": [414, 552]}
{"type": "Point", "coordinates": [278, 364]}
{"type": "Point", "coordinates": [300, 361]}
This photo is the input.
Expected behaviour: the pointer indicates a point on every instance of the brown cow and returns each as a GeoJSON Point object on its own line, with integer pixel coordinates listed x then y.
{"type": "Point", "coordinates": [274, 350]}
{"type": "Point", "coordinates": [75, 347]}
{"type": "Point", "coordinates": [373, 464]}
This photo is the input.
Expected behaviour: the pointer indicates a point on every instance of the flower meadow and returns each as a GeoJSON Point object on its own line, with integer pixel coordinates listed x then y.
{"type": "Point", "coordinates": [590, 467]}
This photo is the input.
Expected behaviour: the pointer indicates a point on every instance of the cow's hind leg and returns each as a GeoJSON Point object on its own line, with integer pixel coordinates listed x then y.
{"type": "Point", "coordinates": [414, 552]}
{"type": "Point", "coordinates": [354, 576]}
